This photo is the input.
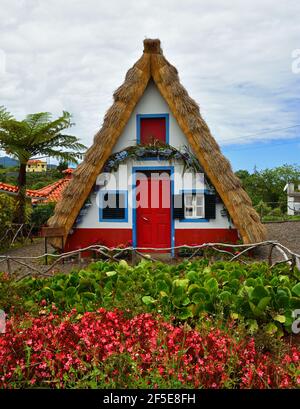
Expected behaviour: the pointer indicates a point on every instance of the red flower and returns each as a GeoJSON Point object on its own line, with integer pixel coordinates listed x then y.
{"type": "Point", "coordinates": [58, 348]}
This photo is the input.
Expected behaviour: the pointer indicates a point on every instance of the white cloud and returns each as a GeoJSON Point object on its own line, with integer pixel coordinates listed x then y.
{"type": "Point", "coordinates": [233, 57]}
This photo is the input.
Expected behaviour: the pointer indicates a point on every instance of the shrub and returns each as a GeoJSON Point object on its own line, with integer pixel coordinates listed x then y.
{"type": "Point", "coordinates": [39, 185]}
{"type": "Point", "coordinates": [263, 209]}
{"type": "Point", "coordinates": [7, 213]}
{"type": "Point", "coordinates": [276, 212]}
{"type": "Point", "coordinates": [7, 208]}
{"type": "Point", "coordinates": [41, 213]}
{"type": "Point", "coordinates": [189, 291]}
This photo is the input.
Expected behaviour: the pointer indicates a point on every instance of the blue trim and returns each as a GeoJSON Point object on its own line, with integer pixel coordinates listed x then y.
{"type": "Point", "coordinates": [101, 195]}
{"type": "Point", "coordinates": [152, 158]}
{"type": "Point", "coordinates": [154, 168]}
{"type": "Point", "coordinates": [193, 220]}
{"type": "Point", "coordinates": [138, 125]}
{"type": "Point", "coordinates": [194, 191]}
{"type": "Point", "coordinates": [200, 220]}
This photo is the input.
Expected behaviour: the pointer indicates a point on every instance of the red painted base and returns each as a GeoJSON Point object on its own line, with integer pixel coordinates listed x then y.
{"type": "Point", "coordinates": [107, 237]}
{"type": "Point", "coordinates": [199, 236]}
{"type": "Point", "coordinates": [115, 237]}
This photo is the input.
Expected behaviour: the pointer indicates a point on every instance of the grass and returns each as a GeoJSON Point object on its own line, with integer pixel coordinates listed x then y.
{"type": "Point", "coordinates": [283, 218]}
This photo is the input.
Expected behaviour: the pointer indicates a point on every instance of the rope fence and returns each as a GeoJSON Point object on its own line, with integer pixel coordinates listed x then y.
{"type": "Point", "coordinates": [17, 232]}
{"type": "Point", "coordinates": [115, 254]}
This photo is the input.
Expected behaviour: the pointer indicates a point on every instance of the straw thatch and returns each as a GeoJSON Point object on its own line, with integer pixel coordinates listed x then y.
{"type": "Point", "coordinates": [154, 65]}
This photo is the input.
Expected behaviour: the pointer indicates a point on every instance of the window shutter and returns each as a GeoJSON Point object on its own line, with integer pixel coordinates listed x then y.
{"type": "Point", "coordinates": [117, 211]}
{"type": "Point", "coordinates": [178, 207]}
{"type": "Point", "coordinates": [210, 206]}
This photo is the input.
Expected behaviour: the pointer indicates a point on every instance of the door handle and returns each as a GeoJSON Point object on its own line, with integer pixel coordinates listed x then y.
{"type": "Point", "coordinates": [145, 218]}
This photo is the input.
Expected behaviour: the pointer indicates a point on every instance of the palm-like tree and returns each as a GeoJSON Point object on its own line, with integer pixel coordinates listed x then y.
{"type": "Point", "coordinates": [36, 135]}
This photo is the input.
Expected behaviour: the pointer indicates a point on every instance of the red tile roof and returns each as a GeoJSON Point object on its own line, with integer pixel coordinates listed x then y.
{"type": "Point", "coordinates": [35, 161]}
{"type": "Point", "coordinates": [68, 171]}
{"type": "Point", "coordinates": [8, 188]}
{"type": "Point", "coordinates": [53, 192]}
{"type": "Point", "coordinates": [14, 189]}
{"type": "Point", "coordinates": [50, 193]}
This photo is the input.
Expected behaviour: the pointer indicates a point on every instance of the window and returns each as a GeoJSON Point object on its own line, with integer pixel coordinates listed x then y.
{"type": "Point", "coordinates": [194, 206]}
{"type": "Point", "coordinates": [152, 127]}
{"type": "Point", "coordinates": [113, 206]}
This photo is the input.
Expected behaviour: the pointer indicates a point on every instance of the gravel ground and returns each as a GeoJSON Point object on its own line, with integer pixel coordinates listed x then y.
{"type": "Point", "coordinates": [37, 248]}
{"type": "Point", "coordinates": [287, 233]}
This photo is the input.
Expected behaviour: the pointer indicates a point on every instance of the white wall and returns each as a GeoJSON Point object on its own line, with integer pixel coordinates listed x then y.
{"type": "Point", "coordinates": [293, 204]}
{"type": "Point", "coordinates": [151, 103]}
{"type": "Point", "coordinates": [122, 180]}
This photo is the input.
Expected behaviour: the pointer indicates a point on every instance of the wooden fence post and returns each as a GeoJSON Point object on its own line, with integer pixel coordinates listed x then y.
{"type": "Point", "coordinates": [270, 254]}
{"type": "Point", "coordinates": [8, 265]}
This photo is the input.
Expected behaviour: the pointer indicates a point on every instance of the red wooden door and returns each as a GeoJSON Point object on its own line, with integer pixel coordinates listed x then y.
{"type": "Point", "coordinates": [152, 129]}
{"type": "Point", "coordinates": [153, 212]}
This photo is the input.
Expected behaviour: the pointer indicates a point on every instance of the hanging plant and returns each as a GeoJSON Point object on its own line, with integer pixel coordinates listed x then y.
{"type": "Point", "coordinates": [155, 150]}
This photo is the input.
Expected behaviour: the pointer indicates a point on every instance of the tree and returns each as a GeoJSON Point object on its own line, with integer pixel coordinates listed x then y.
{"type": "Point", "coordinates": [36, 135]}
{"type": "Point", "coordinates": [267, 185]}
{"type": "Point", "coordinates": [63, 165]}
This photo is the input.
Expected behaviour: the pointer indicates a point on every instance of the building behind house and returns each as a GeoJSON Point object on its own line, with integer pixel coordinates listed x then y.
{"type": "Point", "coordinates": [293, 199]}
{"type": "Point", "coordinates": [36, 166]}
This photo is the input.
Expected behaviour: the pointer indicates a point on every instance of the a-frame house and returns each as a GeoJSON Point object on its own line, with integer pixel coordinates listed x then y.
{"type": "Point", "coordinates": [155, 176]}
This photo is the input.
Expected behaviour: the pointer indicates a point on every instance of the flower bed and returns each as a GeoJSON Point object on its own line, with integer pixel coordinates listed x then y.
{"type": "Point", "coordinates": [254, 294]}
{"type": "Point", "coordinates": [107, 349]}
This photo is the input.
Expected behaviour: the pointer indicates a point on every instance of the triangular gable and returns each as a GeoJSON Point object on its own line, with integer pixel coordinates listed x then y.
{"type": "Point", "coordinates": [154, 65]}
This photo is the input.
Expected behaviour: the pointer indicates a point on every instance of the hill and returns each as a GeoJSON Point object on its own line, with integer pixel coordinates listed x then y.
{"type": "Point", "coordinates": [8, 162]}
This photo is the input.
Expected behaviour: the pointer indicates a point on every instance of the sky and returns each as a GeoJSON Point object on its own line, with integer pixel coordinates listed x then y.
{"type": "Point", "coordinates": [239, 60]}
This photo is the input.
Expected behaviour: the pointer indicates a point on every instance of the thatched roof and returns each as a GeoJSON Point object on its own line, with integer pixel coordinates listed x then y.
{"type": "Point", "coordinates": [153, 65]}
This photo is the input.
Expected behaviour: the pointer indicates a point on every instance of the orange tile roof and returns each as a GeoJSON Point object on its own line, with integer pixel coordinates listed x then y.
{"type": "Point", "coordinates": [53, 192]}
{"type": "Point", "coordinates": [47, 194]}
{"type": "Point", "coordinates": [35, 161]}
{"type": "Point", "coordinates": [68, 171]}
{"type": "Point", "coordinates": [14, 189]}
{"type": "Point", "coordinates": [8, 188]}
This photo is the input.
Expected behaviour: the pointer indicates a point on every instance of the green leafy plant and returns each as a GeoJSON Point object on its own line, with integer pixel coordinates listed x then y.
{"type": "Point", "coordinates": [41, 213]}
{"type": "Point", "coordinates": [189, 291]}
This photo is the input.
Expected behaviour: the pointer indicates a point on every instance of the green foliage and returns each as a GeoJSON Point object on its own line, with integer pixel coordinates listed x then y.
{"type": "Point", "coordinates": [154, 149]}
{"type": "Point", "coordinates": [15, 296]}
{"type": "Point", "coordinates": [41, 213]}
{"type": "Point", "coordinates": [7, 211]}
{"type": "Point", "coordinates": [252, 294]}
{"type": "Point", "coordinates": [36, 135]}
{"type": "Point", "coordinates": [276, 212]}
{"type": "Point", "coordinates": [262, 208]}
{"type": "Point", "coordinates": [267, 185]}
{"type": "Point", "coordinates": [7, 208]}
{"type": "Point", "coordinates": [63, 165]}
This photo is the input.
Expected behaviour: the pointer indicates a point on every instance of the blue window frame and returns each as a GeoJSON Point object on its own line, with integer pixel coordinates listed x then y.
{"type": "Point", "coordinates": [138, 124]}
{"type": "Point", "coordinates": [196, 219]}
{"type": "Point", "coordinates": [123, 193]}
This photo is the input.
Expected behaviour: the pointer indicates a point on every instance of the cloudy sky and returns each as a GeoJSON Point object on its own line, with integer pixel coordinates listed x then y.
{"type": "Point", "coordinates": [235, 59]}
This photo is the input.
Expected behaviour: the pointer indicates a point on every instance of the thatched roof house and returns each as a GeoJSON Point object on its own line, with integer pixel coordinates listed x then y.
{"type": "Point", "coordinates": [153, 66]}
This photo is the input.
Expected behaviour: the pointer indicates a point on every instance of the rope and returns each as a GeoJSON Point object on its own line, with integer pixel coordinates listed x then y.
{"type": "Point", "coordinates": [123, 249]}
